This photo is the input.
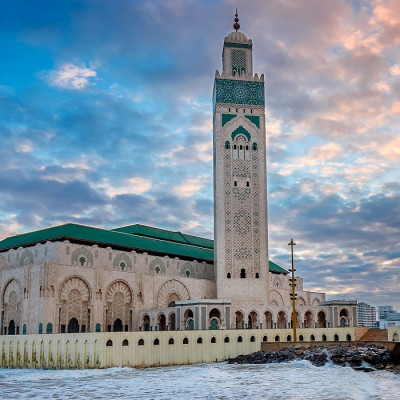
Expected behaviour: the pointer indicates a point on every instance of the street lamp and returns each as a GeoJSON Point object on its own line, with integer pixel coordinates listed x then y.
{"type": "Point", "coordinates": [293, 294]}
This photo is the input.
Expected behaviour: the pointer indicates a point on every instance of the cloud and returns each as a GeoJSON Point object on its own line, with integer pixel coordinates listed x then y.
{"type": "Point", "coordinates": [188, 187]}
{"type": "Point", "coordinates": [24, 146]}
{"type": "Point", "coordinates": [134, 185]}
{"type": "Point", "coordinates": [141, 138]}
{"type": "Point", "coordinates": [70, 76]}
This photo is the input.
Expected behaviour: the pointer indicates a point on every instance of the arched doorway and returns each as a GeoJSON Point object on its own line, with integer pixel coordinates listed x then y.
{"type": "Point", "coordinates": [162, 323]}
{"type": "Point", "coordinates": [344, 321]}
{"type": "Point", "coordinates": [281, 320]}
{"type": "Point", "coordinates": [11, 328]}
{"type": "Point", "coordinates": [188, 319]}
{"type": "Point", "coordinates": [214, 324]}
{"type": "Point", "coordinates": [214, 317]}
{"type": "Point", "coordinates": [239, 320]}
{"type": "Point", "coordinates": [395, 337]}
{"type": "Point", "coordinates": [268, 320]}
{"type": "Point", "coordinates": [146, 323]}
{"type": "Point", "coordinates": [118, 327]}
{"type": "Point", "coordinates": [308, 320]}
{"type": "Point", "coordinates": [252, 320]}
{"type": "Point", "coordinates": [298, 322]}
{"type": "Point", "coordinates": [171, 322]}
{"type": "Point", "coordinates": [73, 326]}
{"type": "Point", "coordinates": [321, 320]}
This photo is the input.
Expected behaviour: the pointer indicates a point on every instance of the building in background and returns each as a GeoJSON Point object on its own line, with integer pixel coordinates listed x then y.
{"type": "Point", "coordinates": [366, 315]}
{"type": "Point", "coordinates": [387, 316]}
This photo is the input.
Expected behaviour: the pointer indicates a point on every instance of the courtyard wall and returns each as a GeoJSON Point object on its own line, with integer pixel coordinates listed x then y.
{"type": "Point", "coordinates": [145, 349]}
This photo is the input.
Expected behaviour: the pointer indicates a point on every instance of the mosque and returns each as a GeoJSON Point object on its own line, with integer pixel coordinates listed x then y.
{"type": "Point", "coordinates": [73, 278]}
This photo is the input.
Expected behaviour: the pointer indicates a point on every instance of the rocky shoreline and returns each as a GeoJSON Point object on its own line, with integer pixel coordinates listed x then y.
{"type": "Point", "coordinates": [365, 358]}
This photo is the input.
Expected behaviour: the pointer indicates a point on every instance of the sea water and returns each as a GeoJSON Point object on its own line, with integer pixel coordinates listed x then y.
{"type": "Point", "coordinates": [293, 380]}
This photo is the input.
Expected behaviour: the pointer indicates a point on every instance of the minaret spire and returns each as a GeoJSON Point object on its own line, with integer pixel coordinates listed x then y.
{"type": "Point", "coordinates": [236, 25]}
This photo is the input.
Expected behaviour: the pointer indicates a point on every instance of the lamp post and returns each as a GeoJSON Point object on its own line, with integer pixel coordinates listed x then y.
{"type": "Point", "coordinates": [293, 294]}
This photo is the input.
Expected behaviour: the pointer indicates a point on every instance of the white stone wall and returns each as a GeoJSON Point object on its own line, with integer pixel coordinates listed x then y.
{"type": "Point", "coordinates": [145, 349]}
{"type": "Point", "coordinates": [42, 271]}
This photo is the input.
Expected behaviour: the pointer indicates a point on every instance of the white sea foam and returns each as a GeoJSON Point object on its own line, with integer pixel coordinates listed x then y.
{"type": "Point", "coordinates": [294, 380]}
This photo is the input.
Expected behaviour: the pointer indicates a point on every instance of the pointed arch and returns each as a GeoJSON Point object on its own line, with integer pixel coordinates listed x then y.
{"type": "Point", "coordinates": [122, 287]}
{"type": "Point", "coordinates": [78, 283]}
{"type": "Point", "coordinates": [171, 289]}
{"type": "Point", "coordinates": [275, 298]}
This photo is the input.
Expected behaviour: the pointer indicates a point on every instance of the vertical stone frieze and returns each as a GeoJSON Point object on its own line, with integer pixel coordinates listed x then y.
{"type": "Point", "coordinates": [228, 227]}
{"type": "Point", "coordinates": [242, 216]}
{"type": "Point", "coordinates": [256, 212]}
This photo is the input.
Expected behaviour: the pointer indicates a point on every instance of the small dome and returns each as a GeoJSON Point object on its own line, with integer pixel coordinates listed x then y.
{"type": "Point", "coordinates": [237, 37]}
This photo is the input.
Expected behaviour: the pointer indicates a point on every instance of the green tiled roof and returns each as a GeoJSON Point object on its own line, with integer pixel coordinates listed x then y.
{"type": "Point", "coordinates": [276, 268]}
{"type": "Point", "coordinates": [133, 237]}
{"type": "Point", "coordinates": [163, 234]}
{"type": "Point", "coordinates": [111, 238]}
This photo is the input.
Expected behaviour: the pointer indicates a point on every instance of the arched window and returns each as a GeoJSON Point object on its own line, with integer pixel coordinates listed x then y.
{"type": "Point", "coordinates": [185, 340]}
{"type": "Point", "coordinates": [239, 339]}
{"type": "Point", "coordinates": [125, 342]}
{"type": "Point", "coordinates": [257, 275]}
{"type": "Point", "coordinates": [199, 340]}
{"type": "Point", "coordinates": [324, 338]}
{"type": "Point", "coordinates": [247, 184]}
{"type": "Point", "coordinates": [156, 342]}
{"type": "Point", "coordinates": [98, 327]}
{"type": "Point", "coordinates": [213, 340]}
{"type": "Point", "coordinates": [82, 261]}
{"type": "Point", "coordinates": [109, 343]}
{"type": "Point", "coordinates": [277, 338]}
{"type": "Point", "coordinates": [171, 341]}
{"type": "Point", "coordinates": [228, 275]}
{"type": "Point", "coordinates": [243, 273]}
{"type": "Point", "coordinates": [122, 265]}
{"type": "Point", "coordinates": [252, 339]}
{"type": "Point", "coordinates": [187, 273]}
{"type": "Point", "coordinates": [348, 337]}
{"type": "Point", "coordinates": [24, 329]}
{"type": "Point", "coordinates": [254, 146]}
{"type": "Point", "coordinates": [226, 339]}
{"type": "Point", "coordinates": [40, 328]}
{"type": "Point", "coordinates": [265, 339]}
{"type": "Point", "coordinates": [312, 338]}
{"type": "Point", "coordinates": [235, 183]}
{"type": "Point", "coordinates": [336, 338]}
{"type": "Point", "coordinates": [141, 342]}
{"type": "Point", "coordinates": [301, 338]}
{"type": "Point", "coordinates": [227, 145]}
{"type": "Point", "coordinates": [49, 328]}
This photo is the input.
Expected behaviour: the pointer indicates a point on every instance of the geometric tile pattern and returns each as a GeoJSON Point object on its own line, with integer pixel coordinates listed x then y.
{"type": "Point", "coordinates": [239, 92]}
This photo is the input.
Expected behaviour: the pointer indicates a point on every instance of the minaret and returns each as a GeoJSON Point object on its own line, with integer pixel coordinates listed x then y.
{"type": "Point", "coordinates": [240, 188]}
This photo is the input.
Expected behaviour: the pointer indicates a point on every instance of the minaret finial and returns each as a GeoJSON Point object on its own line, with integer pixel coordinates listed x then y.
{"type": "Point", "coordinates": [236, 25]}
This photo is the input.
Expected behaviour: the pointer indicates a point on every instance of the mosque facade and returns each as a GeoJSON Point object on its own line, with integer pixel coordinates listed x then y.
{"type": "Point", "coordinates": [73, 278]}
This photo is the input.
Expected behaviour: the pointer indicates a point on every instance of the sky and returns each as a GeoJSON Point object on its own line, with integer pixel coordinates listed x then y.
{"type": "Point", "coordinates": [106, 120]}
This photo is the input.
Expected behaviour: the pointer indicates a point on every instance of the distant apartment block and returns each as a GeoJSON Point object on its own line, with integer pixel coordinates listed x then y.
{"type": "Point", "coordinates": [388, 317]}
{"type": "Point", "coordinates": [366, 315]}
